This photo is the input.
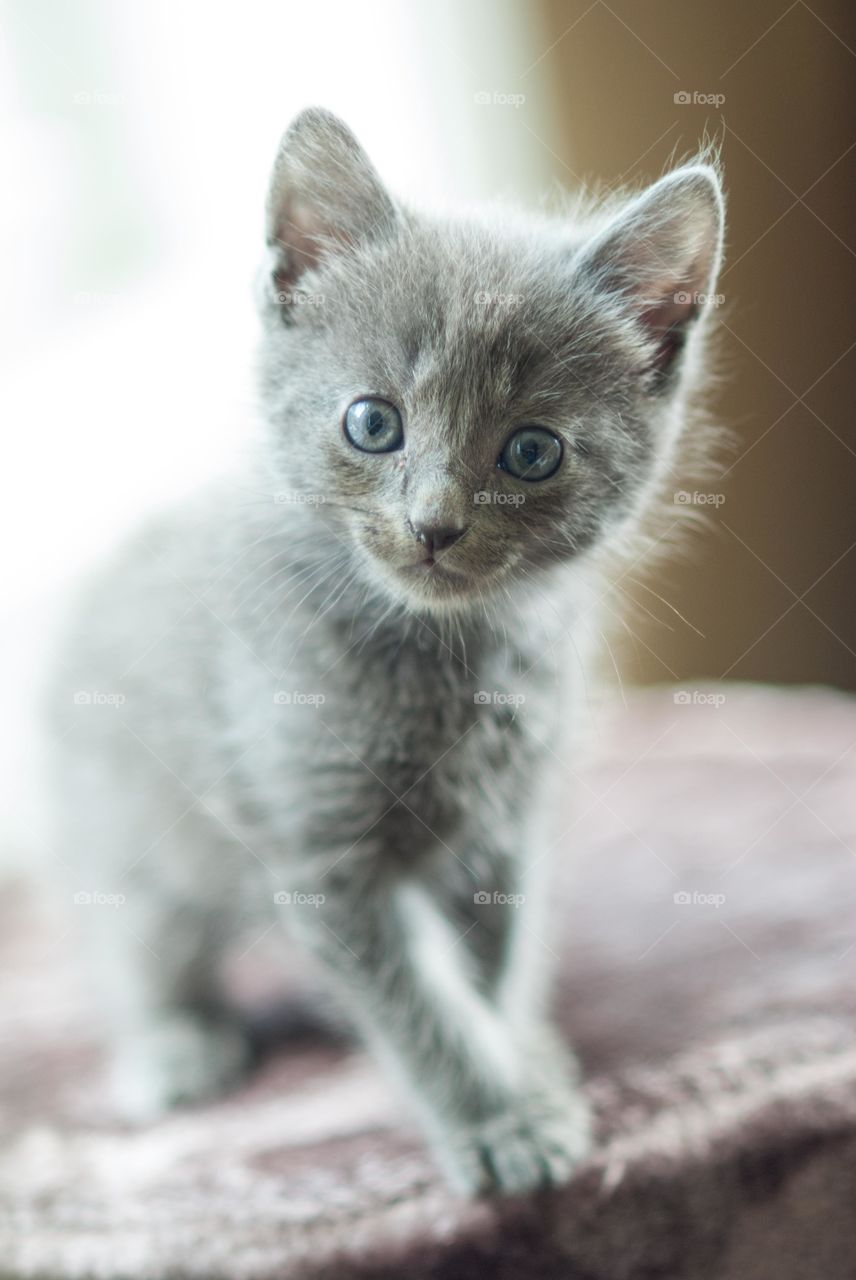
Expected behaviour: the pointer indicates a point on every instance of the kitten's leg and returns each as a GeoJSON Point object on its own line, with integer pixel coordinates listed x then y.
{"type": "Point", "coordinates": [175, 1041]}
{"type": "Point", "coordinates": [500, 912]}
{"type": "Point", "coordinates": [155, 952]}
{"type": "Point", "coordinates": [496, 1121]}
{"type": "Point", "coordinates": [503, 929]}
{"type": "Point", "coordinates": [483, 911]}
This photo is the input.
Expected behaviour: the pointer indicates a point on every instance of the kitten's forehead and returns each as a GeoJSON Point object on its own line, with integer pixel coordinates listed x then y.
{"type": "Point", "coordinates": [466, 326]}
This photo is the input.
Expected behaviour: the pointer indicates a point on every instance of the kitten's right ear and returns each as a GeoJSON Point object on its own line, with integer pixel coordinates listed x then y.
{"type": "Point", "coordinates": [658, 259]}
{"type": "Point", "coordinates": [324, 194]}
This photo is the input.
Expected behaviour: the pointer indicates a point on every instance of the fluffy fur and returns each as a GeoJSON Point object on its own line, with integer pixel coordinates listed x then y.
{"type": "Point", "coordinates": [287, 706]}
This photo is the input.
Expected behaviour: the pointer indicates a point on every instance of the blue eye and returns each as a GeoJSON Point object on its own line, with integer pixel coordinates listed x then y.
{"type": "Point", "coordinates": [374, 426]}
{"type": "Point", "coordinates": [532, 453]}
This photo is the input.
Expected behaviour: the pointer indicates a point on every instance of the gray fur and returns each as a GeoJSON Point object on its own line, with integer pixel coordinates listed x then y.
{"type": "Point", "coordinates": [222, 779]}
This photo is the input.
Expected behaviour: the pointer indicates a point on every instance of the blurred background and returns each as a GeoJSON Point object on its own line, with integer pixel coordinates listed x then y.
{"type": "Point", "coordinates": [137, 142]}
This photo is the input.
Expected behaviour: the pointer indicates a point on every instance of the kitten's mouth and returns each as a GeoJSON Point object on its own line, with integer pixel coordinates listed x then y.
{"type": "Point", "coordinates": [432, 581]}
{"type": "Point", "coordinates": [429, 584]}
{"type": "Point", "coordinates": [429, 580]}
{"type": "Point", "coordinates": [431, 569]}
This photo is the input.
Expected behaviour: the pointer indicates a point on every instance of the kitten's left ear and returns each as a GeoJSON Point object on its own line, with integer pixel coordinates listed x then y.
{"type": "Point", "coordinates": [324, 195]}
{"type": "Point", "coordinates": [658, 260]}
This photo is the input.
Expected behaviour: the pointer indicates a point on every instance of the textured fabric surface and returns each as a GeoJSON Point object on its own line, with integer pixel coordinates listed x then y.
{"type": "Point", "coordinates": [717, 1031]}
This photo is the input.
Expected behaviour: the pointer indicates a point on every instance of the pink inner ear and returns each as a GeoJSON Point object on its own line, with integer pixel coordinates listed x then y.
{"type": "Point", "coordinates": [300, 244]}
{"type": "Point", "coordinates": [660, 256]}
{"type": "Point", "coordinates": [668, 320]}
{"type": "Point", "coordinates": [324, 197]}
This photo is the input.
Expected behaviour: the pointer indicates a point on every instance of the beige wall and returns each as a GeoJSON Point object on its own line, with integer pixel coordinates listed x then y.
{"type": "Point", "coordinates": [789, 136]}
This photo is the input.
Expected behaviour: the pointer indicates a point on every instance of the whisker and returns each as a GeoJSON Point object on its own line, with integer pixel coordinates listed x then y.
{"type": "Point", "coordinates": [638, 582]}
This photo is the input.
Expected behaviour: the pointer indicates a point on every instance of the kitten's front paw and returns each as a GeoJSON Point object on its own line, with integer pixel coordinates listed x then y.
{"type": "Point", "coordinates": [537, 1144]}
{"type": "Point", "coordinates": [179, 1061]}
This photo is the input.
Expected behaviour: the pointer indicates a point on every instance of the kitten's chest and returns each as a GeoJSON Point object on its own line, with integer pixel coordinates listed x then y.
{"type": "Point", "coordinates": [407, 746]}
{"type": "Point", "coordinates": [416, 705]}
{"type": "Point", "coordinates": [426, 745]}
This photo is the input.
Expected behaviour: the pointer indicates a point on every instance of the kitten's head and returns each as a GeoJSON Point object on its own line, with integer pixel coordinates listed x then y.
{"type": "Point", "coordinates": [470, 402]}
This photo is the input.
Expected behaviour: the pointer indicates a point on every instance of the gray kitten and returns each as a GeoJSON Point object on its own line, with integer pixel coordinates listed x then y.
{"type": "Point", "coordinates": [335, 694]}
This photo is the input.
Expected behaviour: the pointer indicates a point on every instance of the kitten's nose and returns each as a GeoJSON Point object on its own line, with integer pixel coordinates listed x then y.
{"type": "Point", "coordinates": [435, 537]}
